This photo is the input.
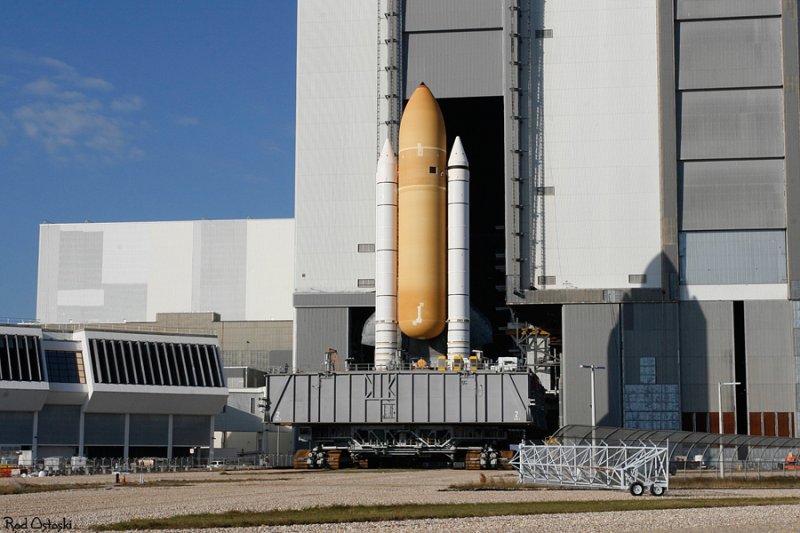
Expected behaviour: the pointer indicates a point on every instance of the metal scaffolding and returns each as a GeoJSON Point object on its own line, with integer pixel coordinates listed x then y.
{"type": "Point", "coordinates": [636, 467]}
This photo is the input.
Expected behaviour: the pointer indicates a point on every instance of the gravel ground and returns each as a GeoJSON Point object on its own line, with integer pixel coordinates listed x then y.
{"type": "Point", "coordinates": [280, 489]}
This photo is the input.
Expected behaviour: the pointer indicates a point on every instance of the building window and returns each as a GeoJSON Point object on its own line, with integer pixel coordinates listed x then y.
{"type": "Point", "coordinates": [19, 358]}
{"type": "Point", "coordinates": [366, 284]}
{"type": "Point", "coordinates": [365, 248]}
{"type": "Point", "coordinates": [154, 363]}
{"type": "Point", "coordinates": [65, 367]}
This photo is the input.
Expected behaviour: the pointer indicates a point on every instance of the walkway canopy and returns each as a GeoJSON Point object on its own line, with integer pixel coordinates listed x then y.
{"type": "Point", "coordinates": [698, 450]}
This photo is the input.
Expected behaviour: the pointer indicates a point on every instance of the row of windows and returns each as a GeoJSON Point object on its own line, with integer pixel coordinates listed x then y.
{"type": "Point", "coordinates": [19, 358]}
{"type": "Point", "coordinates": [155, 363]}
{"type": "Point", "coordinates": [65, 367]}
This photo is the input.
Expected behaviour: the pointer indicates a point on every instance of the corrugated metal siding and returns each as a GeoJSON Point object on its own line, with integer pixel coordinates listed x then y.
{"type": "Point", "coordinates": [730, 53]}
{"type": "Point", "coordinates": [703, 9]}
{"type": "Point", "coordinates": [718, 195]}
{"type": "Point", "coordinates": [731, 124]}
{"type": "Point", "coordinates": [650, 341]}
{"type": "Point", "coordinates": [601, 144]}
{"type": "Point", "coordinates": [795, 305]}
{"type": "Point", "coordinates": [334, 300]}
{"type": "Point", "coordinates": [706, 353]}
{"type": "Point", "coordinates": [132, 271]}
{"type": "Point", "coordinates": [404, 398]}
{"type": "Point", "coordinates": [590, 336]}
{"type": "Point", "coordinates": [220, 268]}
{"type": "Point", "coordinates": [190, 430]}
{"type": "Point", "coordinates": [431, 15]}
{"type": "Point", "coordinates": [317, 329]}
{"type": "Point", "coordinates": [80, 260]}
{"type": "Point", "coordinates": [337, 143]}
{"type": "Point", "coordinates": [732, 257]}
{"type": "Point", "coordinates": [104, 429]}
{"type": "Point", "coordinates": [59, 424]}
{"type": "Point", "coordinates": [455, 64]}
{"type": "Point", "coordinates": [770, 356]}
{"type": "Point", "coordinates": [149, 430]}
{"type": "Point", "coordinates": [16, 428]}
{"type": "Point", "coordinates": [650, 330]}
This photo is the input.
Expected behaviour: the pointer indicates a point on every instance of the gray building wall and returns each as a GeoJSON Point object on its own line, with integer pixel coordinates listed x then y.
{"type": "Point", "coordinates": [768, 341]}
{"type": "Point", "coordinates": [638, 345]}
{"type": "Point", "coordinates": [319, 329]}
{"type": "Point", "coordinates": [732, 141]}
{"type": "Point", "coordinates": [258, 344]}
{"type": "Point", "coordinates": [706, 344]}
{"type": "Point", "coordinates": [113, 272]}
{"type": "Point", "coordinates": [591, 336]}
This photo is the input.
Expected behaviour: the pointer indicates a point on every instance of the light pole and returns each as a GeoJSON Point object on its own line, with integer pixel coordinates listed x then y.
{"type": "Point", "coordinates": [594, 411]}
{"type": "Point", "coordinates": [719, 405]}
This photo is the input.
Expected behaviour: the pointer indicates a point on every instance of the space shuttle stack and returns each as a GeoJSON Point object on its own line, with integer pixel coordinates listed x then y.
{"type": "Point", "coordinates": [422, 235]}
{"type": "Point", "coordinates": [457, 253]}
{"type": "Point", "coordinates": [386, 258]}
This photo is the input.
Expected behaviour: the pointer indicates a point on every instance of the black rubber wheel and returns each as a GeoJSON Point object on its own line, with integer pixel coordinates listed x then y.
{"type": "Point", "coordinates": [637, 489]}
{"type": "Point", "coordinates": [657, 490]}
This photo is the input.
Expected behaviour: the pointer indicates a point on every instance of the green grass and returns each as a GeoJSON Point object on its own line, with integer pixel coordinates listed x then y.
{"type": "Point", "coordinates": [510, 483]}
{"type": "Point", "coordinates": [29, 488]}
{"type": "Point", "coordinates": [376, 513]}
{"type": "Point", "coordinates": [495, 483]}
{"type": "Point", "coordinates": [21, 487]}
{"type": "Point", "coordinates": [772, 482]}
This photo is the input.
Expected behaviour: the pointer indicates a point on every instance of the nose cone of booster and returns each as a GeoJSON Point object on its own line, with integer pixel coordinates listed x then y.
{"type": "Point", "coordinates": [422, 212]}
{"type": "Point", "coordinates": [458, 157]}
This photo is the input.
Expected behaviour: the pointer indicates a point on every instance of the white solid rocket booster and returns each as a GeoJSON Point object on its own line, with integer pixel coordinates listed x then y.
{"type": "Point", "coordinates": [458, 253]}
{"type": "Point", "coordinates": [386, 258]}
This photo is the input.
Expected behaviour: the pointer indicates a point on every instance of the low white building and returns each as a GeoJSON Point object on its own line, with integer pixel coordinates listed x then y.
{"type": "Point", "coordinates": [96, 393]}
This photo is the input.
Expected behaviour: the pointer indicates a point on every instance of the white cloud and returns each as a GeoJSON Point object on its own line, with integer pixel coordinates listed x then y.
{"type": "Point", "coordinates": [68, 73]}
{"type": "Point", "coordinates": [95, 84]}
{"type": "Point", "coordinates": [41, 87]}
{"type": "Point", "coordinates": [127, 103]}
{"type": "Point", "coordinates": [60, 126]}
{"type": "Point", "coordinates": [72, 115]}
{"type": "Point", "coordinates": [57, 65]}
{"type": "Point", "coordinates": [187, 121]}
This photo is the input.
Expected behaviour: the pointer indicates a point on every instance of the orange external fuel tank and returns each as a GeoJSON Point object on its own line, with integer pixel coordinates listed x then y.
{"type": "Point", "coordinates": [422, 212]}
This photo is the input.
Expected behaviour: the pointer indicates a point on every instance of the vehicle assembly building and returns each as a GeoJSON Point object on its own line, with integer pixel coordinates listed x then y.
{"type": "Point", "coordinates": [633, 171]}
{"type": "Point", "coordinates": [604, 186]}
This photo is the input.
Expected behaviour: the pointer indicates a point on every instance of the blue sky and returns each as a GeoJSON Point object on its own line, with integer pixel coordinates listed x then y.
{"type": "Point", "coordinates": [140, 110]}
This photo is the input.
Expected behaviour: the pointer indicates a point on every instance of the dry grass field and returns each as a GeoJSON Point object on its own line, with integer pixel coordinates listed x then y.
{"type": "Point", "coordinates": [87, 501]}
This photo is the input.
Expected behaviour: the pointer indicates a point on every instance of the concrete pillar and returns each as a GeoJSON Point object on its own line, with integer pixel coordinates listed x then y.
{"type": "Point", "coordinates": [169, 438]}
{"type": "Point", "coordinates": [127, 437]}
{"type": "Point", "coordinates": [35, 438]}
{"type": "Point", "coordinates": [81, 433]}
{"type": "Point", "coordinates": [210, 438]}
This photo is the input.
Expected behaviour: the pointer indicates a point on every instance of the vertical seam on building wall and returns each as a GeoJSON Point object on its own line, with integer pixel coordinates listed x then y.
{"type": "Point", "coordinates": [667, 63]}
{"type": "Point", "coordinates": [791, 125]}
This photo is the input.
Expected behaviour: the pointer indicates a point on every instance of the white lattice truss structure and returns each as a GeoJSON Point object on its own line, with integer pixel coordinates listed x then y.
{"type": "Point", "coordinates": [598, 466]}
